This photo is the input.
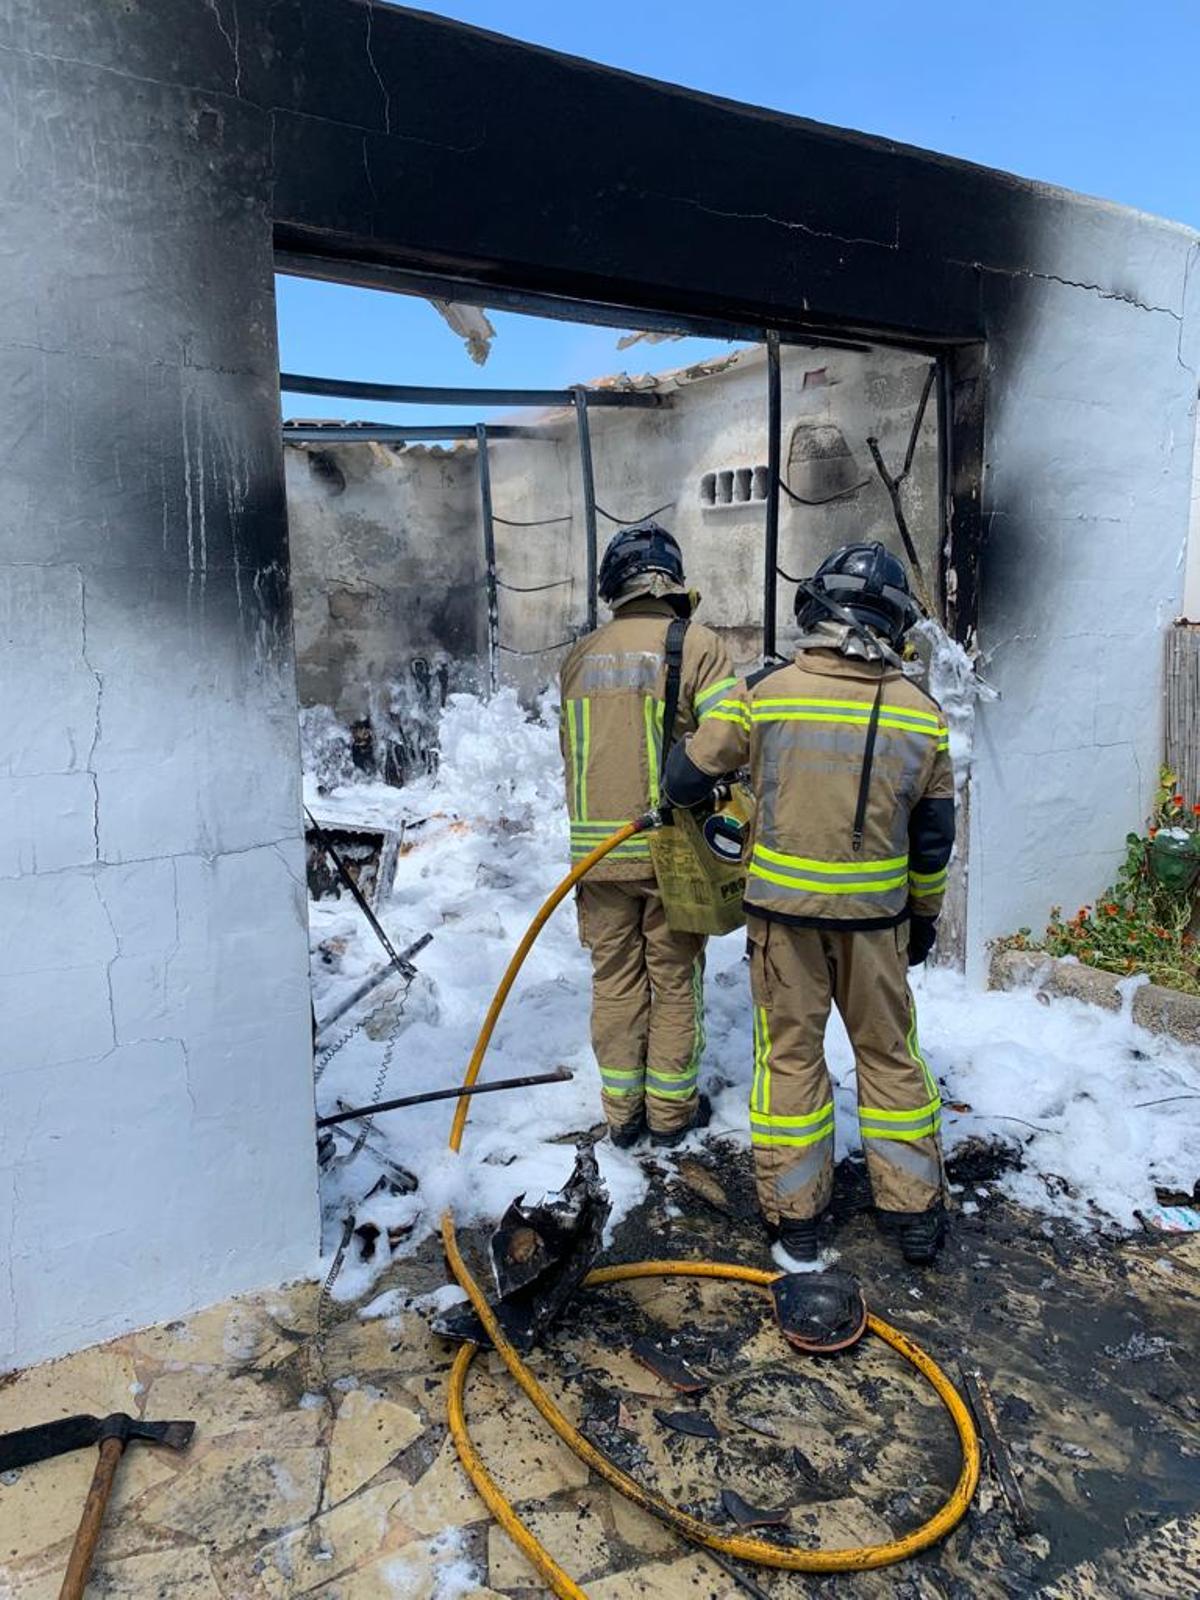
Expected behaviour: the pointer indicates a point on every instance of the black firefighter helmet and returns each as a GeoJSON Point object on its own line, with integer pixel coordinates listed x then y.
{"type": "Point", "coordinates": [642, 547]}
{"type": "Point", "coordinates": [865, 580]}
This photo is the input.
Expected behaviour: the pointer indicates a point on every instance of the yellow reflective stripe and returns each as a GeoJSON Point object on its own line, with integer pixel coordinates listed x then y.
{"type": "Point", "coordinates": [811, 864]}
{"type": "Point", "coordinates": [864, 706]}
{"type": "Point", "coordinates": [843, 719]}
{"type": "Point", "coordinates": [914, 1050]}
{"type": "Point", "coordinates": [699, 1036]}
{"type": "Point", "coordinates": [929, 880]}
{"type": "Point", "coordinates": [760, 1089]}
{"type": "Point", "coordinates": [907, 1135]}
{"type": "Point", "coordinates": [921, 1114]}
{"type": "Point", "coordinates": [815, 886]}
{"type": "Point", "coordinates": [579, 737]}
{"type": "Point", "coordinates": [652, 712]}
{"type": "Point", "coordinates": [793, 1141]}
{"type": "Point", "coordinates": [739, 720]}
{"type": "Point", "coordinates": [585, 756]}
{"type": "Point", "coordinates": [806, 1119]}
{"type": "Point", "coordinates": [707, 697]}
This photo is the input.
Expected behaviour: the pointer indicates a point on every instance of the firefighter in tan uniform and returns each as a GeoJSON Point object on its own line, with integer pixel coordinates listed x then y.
{"type": "Point", "coordinates": [850, 764]}
{"type": "Point", "coordinates": [647, 981]}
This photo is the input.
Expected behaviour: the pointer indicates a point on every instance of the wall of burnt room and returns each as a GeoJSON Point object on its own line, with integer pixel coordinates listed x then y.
{"type": "Point", "coordinates": [387, 548]}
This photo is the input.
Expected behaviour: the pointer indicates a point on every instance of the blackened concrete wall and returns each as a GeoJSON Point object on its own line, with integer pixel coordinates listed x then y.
{"type": "Point", "coordinates": [387, 550]}
{"type": "Point", "coordinates": [387, 565]}
{"type": "Point", "coordinates": [156, 1106]}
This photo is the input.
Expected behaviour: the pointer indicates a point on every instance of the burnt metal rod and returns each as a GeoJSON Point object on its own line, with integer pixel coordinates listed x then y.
{"type": "Point", "coordinates": [589, 499]}
{"type": "Point", "coordinates": [988, 1423]}
{"type": "Point", "coordinates": [425, 395]}
{"type": "Point", "coordinates": [774, 424]}
{"type": "Point", "coordinates": [403, 967]}
{"type": "Point", "coordinates": [559, 1075]}
{"type": "Point", "coordinates": [489, 555]}
{"type": "Point", "coordinates": [369, 983]}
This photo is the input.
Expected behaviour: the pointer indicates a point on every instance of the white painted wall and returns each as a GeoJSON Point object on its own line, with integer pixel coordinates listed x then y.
{"type": "Point", "coordinates": [1090, 423]}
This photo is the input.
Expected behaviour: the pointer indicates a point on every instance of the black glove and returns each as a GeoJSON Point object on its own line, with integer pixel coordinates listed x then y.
{"type": "Point", "coordinates": [922, 936]}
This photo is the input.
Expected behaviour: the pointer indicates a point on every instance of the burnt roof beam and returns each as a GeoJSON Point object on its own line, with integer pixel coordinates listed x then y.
{"type": "Point", "coordinates": [422, 395]}
{"type": "Point", "coordinates": [401, 432]}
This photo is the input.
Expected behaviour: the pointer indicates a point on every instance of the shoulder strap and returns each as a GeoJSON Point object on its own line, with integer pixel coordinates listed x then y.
{"type": "Point", "coordinates": [765, 672]}
{"type": "Point", "coordinates": [864, 781]}
{"type": "Point", "coordinates": [674, 659]}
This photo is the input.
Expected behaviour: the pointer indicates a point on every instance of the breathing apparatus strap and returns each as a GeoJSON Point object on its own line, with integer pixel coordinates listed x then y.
{"type": "Point", "coordinates": [674, 659]}
{"type": "Point", "coordinates": [864, 782]}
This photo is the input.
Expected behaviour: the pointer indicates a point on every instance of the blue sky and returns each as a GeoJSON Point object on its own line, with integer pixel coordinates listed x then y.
{"type": "Point", "coordinates": [1102, 97]}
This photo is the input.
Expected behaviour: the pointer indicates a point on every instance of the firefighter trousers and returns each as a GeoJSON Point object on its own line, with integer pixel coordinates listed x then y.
{"type": "Point", "coordinates": [795, 975]}
{"type": "Point", "coordinates": [647, 1003]}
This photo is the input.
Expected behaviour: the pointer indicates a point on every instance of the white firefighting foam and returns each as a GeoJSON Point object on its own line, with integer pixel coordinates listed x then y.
{"type": "Point", "coordinates": [1066, 1084]}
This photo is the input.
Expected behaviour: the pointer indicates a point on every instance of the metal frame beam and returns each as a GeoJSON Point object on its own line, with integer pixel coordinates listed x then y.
{"type": "Point", "coordinates": [489, 557]}
{"type": "Point", "coordinates": [424, 395]}
{"type": "Point", "coordinates": [401, 433]}
{"type": "Point", "coordinates": [771, 541]}
{"type": "Point", "coordinates": [582, 398]}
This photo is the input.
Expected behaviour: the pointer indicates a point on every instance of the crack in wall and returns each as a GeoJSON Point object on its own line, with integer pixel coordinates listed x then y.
{"type": "Point", "coordinates": [1187, 273]}
{"type": "Point", "coordinates": [383, 89]}
{"type": "Point", "coordinates": [97, 728]}
{"type": "Point", "coordinates": [792, 225]}
{"type": "Point", "coordinates": [233, 40]}
{"type": "Point", "coordinates": [1068, 283]}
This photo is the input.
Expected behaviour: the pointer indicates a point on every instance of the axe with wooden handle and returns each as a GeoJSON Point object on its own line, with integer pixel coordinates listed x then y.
{"type": "Point", "coordinates": [112, 1434]}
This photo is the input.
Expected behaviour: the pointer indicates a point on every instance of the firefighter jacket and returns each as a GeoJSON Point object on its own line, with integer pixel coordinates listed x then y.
{"type": "Point", "coordinates": [850, 762]}
{"type": "Point", "coordinates": [613, 684]}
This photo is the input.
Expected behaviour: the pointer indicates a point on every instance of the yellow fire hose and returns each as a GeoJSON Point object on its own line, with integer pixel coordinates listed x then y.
{"type": "Point", "coordinates": [739, 1547]}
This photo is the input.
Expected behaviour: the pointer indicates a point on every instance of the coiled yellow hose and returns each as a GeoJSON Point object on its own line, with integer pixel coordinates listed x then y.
{"type": "Point", "coordinates": [737, 1546]}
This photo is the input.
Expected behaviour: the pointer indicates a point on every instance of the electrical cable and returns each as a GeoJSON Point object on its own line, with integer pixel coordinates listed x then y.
{"type": "Point", "coordinates": [856, 1559]}
{"type": "Point", "coordinates": [630, 522]}
{"type": "Point", "coordinates": [842, 494]}
{"type": "Point", "coordinates": [537, 522]}
{"type": "Point", "coordinates": [533, 588]}
{"type": "Point", "coordinates": [544, 651]}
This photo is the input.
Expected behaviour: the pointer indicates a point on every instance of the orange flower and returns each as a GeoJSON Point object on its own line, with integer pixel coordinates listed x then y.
{"type": "Point", "coordinates": [1176, 799]}
{"type": "Point", "coordinates": [1151, 832]}
{"type": "Point", "coordinates": [1110, 910]}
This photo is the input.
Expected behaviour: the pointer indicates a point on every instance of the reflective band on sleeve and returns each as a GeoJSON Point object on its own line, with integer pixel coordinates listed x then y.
{"type": "Point", "coordinates": [730, 711]}
{"type": "Point", "coordinates": [927, 882]}
{"type": "Point", "coordinates": [705, 702]}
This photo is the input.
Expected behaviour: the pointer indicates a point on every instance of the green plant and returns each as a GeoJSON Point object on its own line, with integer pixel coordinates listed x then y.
{"type": "Point", "coordinates": [1143, 922]}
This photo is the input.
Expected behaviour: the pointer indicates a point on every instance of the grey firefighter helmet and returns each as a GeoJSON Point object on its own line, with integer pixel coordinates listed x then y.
{"type": "Point", "coordinates": [633, 552]}
{"type": "Point", "coordinates": [864, 580]}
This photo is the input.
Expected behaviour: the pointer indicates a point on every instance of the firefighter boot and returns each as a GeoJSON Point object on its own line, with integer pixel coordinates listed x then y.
{"type": "Point", "coordinates": [796, 1239]}
{"type": "Point", "coordinates": [626, 1134]}
{"type": "Point", "coordinates": [700, 1119]}
{"type": "Point", "coordinates": [919, 1233]}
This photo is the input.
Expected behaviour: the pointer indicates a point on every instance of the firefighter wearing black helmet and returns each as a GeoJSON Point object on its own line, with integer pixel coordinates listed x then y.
{"type": "Point", "coordinates": [647, 980]}
{"type": "Point", "coordinates": [851, 767]}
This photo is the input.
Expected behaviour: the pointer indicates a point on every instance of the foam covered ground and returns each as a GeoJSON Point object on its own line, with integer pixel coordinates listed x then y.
{"type": "Point", "coordinates": [486, 841]}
